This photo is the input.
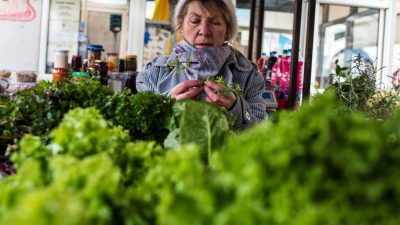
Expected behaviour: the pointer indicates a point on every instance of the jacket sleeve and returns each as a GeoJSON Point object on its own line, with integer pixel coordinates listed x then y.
{"type": "Point", "coordinates": [145, 80]}
{"type": "Point", "coordinates": [250, 108]}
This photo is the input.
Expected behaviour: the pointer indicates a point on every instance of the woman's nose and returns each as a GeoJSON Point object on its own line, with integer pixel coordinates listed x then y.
{"type": "Point", "coordinates": [205, 29]}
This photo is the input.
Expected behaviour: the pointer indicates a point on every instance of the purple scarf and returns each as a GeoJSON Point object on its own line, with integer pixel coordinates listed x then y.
{"type": "Point", "coordinates": [200, 63]}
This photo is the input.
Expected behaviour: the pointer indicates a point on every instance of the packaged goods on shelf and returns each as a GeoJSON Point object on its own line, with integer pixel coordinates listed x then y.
{"type": "Point", "coordinates": [9, 87]}
{"type": "Point", "coordinates": [5, 74]}
{"type": "Point", "coordinates": [27, 76]}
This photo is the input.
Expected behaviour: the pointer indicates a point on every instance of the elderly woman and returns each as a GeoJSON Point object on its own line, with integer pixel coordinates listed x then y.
{"type": "Point", "coordinates": [206, 27]}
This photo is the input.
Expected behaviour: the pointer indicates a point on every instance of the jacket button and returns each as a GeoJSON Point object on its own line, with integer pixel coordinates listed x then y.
{"type": "Point", "coordinates": [248, 116]}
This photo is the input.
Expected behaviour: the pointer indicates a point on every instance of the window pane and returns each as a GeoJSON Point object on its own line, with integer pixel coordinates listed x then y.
{"type": "Point", "coordinates": [344, 33]}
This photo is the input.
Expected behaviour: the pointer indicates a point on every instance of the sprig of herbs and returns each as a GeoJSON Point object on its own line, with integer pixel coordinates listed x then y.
{"type": "Point", "coordinates": [235, 88]}
{"type": "Point", "coordinates": [356, 87]}
{"type": "Point", "coordinates": [180, 66]}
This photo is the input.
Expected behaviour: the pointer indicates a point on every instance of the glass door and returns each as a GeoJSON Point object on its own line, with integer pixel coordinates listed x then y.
{"type": "Point", "coordinates": [278, 26]}
{"type": "Point", "coordinates": [345, 32]}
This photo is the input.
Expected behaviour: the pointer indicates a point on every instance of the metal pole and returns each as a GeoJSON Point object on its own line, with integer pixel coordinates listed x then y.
{"type": "Point", "coordinates": [309, 49]}
{"type": "Point", "coordinates": [251, 29]}
{"type": "Point", "coordinates": [295, 54]}
{"type": "Point", "coordinates": [260, 28]}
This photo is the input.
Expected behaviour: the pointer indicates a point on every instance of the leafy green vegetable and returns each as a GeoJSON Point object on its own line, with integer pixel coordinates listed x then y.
{"type": "Point", "coordinates": [145, 115]}
{"type": "Point", "coordinates": [334, 167]}
{"type": "Point", "coordinates": [200, 123]}
{"type": "Point", "coordinates": [40, 109]}
{"type": "Point", "coordinates": [86, 158]}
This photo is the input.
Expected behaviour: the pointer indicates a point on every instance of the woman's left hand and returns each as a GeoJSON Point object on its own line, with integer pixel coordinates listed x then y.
{"type": "Point", "coordinates": [216, 95]}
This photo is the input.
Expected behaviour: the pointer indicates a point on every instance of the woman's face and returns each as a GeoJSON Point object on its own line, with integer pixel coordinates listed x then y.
{"type": "Point", "coordinates": [202, 28]}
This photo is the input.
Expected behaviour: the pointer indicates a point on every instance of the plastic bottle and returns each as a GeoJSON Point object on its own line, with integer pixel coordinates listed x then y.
{"type": "Point", "coordinates": [299, 86]}
{"type": "Point", "coordinates": [261, 64]}
{"type": "Point", "coordinates": [82, 41]}
{"type": "Point", "coordinates": [271, 61]}
{"type": "Point", "coordinates": [276, 75]}
{"type": "Point", "coordinates": [283, 94]}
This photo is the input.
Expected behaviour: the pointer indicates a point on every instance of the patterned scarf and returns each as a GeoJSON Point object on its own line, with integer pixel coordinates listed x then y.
{"type": "Point", "coordinates": [199, 63]}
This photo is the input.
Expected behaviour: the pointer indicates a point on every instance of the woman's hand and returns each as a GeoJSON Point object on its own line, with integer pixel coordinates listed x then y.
{"type": "Point", "coordinates": [189, 89]}
{"type": "Point", "coordinates": [215, 95]}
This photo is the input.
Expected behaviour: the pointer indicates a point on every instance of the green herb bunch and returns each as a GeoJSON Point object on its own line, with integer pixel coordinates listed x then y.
{"type": "Point", "coordinates": [144, 115]}
{"type": "Point", "coordinates": [40, 109]}
{"type": "Point", "coordinates": [175, 63]}
{"type": "Point", "coordinates": [357, 88]}
{"type": "Point", "coordinates": [235, 88]}
{"type": "Point", "coordinates": [354, 86]}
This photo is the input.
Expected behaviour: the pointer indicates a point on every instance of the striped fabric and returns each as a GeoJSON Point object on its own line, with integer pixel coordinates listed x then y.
{"type": "Point", "coordinates": [249, 108]}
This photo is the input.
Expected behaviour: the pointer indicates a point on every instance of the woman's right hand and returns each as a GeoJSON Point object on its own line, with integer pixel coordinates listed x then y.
{"type": "Point", "coordinates": [189, 89]}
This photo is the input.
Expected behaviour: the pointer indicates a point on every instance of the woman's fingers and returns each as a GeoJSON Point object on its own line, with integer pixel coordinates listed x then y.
{"type": "Point", "coordinates": [216, 95]}
{"type": "Point", "coordinates": [186, 89]}
{"type": "Point", "coordinates": [184, 86]}
{"type": "Point", "coordinates": [212, 95]}
{"type": "Point", "coordinates": [212, 85]}
{"type": "Point", "coordinates": [192, 93]}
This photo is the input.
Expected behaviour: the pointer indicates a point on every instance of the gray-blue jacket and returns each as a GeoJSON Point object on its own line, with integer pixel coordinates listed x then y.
{"type": "Point", "coordinates": [248, 109]}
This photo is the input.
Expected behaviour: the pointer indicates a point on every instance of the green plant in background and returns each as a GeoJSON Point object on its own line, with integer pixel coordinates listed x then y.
{"type": "Point", "coordinates": [354, 86]}
{"type": "Point", "coordinates": [40, 109]}
{"type": "Point", "coordinates": [144, 115]}
{"type": "Point", "coordinates": [357, 88]}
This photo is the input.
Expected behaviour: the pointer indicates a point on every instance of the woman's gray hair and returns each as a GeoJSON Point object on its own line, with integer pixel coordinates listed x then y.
{"type": "Point", "coordinates": [225, 6]}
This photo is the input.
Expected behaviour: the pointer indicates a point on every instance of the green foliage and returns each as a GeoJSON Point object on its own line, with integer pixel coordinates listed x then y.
{"type": "Point", "coordinates": [383, 104]}
{"type": "Point", "coordinates": [322, 164]}
{"type": "Point", "coordinates": [356, 87]}
{"type": "Point", "coordinates": [235, 88]}
{"type": "Point", "coordinates": [175, 63]}
{"type": "Point", "coordinates": [145, 115]}
{"type": "Point", "coordinates": [79, 189]}
{"type": "Point", "coordinates": [88, 171]}
{"type": "Point", "coordinates": [40, 109]}
{"type": "Point", "coordinates": [200, 123]}
{"type": "Point", "coordinates": [328, 168]}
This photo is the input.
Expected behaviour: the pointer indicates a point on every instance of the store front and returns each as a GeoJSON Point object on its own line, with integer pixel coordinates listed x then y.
{"type": "Point", "coordinates": [342, 29]}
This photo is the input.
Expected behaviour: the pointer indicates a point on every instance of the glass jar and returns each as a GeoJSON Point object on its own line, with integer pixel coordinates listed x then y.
{"type": "Point", "coordinates": [131, 82]}
{"type": "Point", "coordinates": [94, 53]}
{"type": "Point", "coordinates": [112, 61]}
{"type": "Point", "coordinates": [61, 59]}
{"type": "Point", "coordinates": [130, 63]}
{"type": "Point", "coordinates": [121, 66]}
{"type": "Point", "coordinates": [101, 70]}
{"type": "Point", "coordinates": [59, 74]}
{"type": "Point", "coordinates": [76, 63]}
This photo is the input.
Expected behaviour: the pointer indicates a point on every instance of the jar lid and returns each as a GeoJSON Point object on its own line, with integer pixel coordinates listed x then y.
{"type": "Point", "coordinates": [76, 56]}
{"type": "Point", "coordinates": [62, 51]}
{"type": "Point", "coordinates": [98, 61]}
{"type": "Point", "coordinates": [95, 48]}
{"type": "Point", "coordinates": [112, 53]}
{"type": "Point", "coordinates": [61, 69]}
{"type": "Point", "coordinates": [130, 56]}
